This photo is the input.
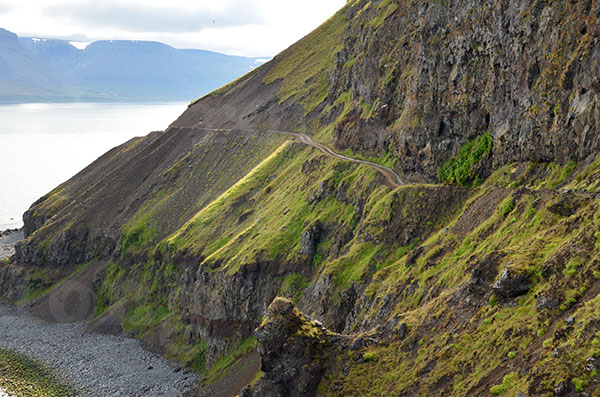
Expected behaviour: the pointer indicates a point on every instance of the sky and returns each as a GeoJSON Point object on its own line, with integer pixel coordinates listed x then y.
{"type": "Point", "coordinates": [258, 28]}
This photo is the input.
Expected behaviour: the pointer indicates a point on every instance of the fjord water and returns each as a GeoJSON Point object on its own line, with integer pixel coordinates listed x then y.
{"type": "Point", "coordinates": [43, 145]}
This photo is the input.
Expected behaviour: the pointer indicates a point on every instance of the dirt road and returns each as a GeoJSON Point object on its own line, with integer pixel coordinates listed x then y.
{"type": "Point", "coordinates": [391, 177]}
{"type": "Point", "coordinates": [389, 174]}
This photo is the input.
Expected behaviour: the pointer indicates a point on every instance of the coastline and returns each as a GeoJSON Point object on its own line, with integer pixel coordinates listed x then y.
{"type": "Point", "coordinates": [93, 364]}
{"type": "Point", "coordinates": [8, 239]}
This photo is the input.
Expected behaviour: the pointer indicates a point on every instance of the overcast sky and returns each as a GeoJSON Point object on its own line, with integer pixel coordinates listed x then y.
{"type": "Point", "coordinates": [259, 28]}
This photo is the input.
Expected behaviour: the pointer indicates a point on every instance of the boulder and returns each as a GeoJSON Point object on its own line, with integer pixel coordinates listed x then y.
{"type": "Point", "coordinates": [293, 351]}
{"type": "Point", "coordinates": [511, 284]}
{"type": "Point", "coordinates": [544, 302]}
{"type": "Point", "coordinates": [562, 388]}
{"type": "Point", "coordinates": [310, 240]}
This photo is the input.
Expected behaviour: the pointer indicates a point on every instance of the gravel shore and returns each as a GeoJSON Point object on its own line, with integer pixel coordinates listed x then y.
{"type": "Point", "coordinates": [4, 394]}
{"type": "Point", "coordinates": [98, 365]}
{"type": "Point", "coordinates": [8, 240]}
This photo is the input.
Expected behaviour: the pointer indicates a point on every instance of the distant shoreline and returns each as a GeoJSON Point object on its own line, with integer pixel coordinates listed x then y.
{"type": "Point", "coordinates": [92, 101]}
{"type": "Point", "coordinates": [8, 239]}
{"type": "Point", "coordinates": [46, 143]}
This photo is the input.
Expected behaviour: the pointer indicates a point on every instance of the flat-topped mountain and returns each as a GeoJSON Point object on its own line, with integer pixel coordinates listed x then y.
{"type": "Point", "coordinates": [55, 70]}
{"type": "Point", "coordinates": [22, 74]}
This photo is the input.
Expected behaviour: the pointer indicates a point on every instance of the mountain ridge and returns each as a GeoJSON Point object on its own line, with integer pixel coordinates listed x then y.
{"type": "Point", "coordinates": [113, 70]}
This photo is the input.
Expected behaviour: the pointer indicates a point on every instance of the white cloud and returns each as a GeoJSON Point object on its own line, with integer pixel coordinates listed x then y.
{"type": "Point", "coordinates": [163, 17]}
{"type": "Point", "coordinates": [251, 27]}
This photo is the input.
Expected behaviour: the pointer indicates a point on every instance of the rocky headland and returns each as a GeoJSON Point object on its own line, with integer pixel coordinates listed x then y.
{"type": "Point", "coordinates": [477, 276]}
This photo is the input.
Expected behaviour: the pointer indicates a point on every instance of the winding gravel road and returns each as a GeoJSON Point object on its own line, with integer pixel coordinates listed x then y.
{"type": "Point", "coordinates": [390, 175]}
{"type": "Point", "coordinates": [98, 365]}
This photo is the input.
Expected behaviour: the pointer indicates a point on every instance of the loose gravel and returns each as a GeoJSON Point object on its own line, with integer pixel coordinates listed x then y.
{"type": "Point", "coordinates": [4, 394]}
{"type": "Point", "coordinates": [98, 365]}
{"type": "Point", "coordinates": [8, 239]}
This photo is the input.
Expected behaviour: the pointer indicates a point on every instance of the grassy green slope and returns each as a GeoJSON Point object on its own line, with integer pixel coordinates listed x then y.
{"type": "Point", "coordinates": [512, 221]}
{"type": "Point", "coordinates": [462, 340]}
{"type": "Point", "coordinates": [262, 219]}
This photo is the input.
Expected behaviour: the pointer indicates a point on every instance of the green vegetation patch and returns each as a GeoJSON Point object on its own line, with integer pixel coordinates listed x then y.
{"type": "Point", "coordinates": [22, 376]}
{"type": "Point", "coordinates": [222, 367]}
{"type": "Point", "coordinates": [462, 169]}
{"type": "Point", "coordinates": [138, 237]}
{"type": "Point", "coordinates": [521, 233]}
{"type": "Point", "coordinates": [385, 9]}
{"type": "Point", "coordinates": [351, 267]}
{"type": "Point", "coordinates": [266, 212]}
{"type": "Point", "coordinates": [107, 293]}
{"type": "Point", "coordinates": [294, 286]}
{"type": "Point", "coordinates": [507, 382]}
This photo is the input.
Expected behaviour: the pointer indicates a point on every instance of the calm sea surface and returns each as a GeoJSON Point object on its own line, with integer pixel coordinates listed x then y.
{"type": "Point", "coordinates": [43, 145]}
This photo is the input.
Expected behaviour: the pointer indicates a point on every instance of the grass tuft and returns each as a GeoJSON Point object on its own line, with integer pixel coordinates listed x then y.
{"type": "Point", "coordinates": [462, 170]}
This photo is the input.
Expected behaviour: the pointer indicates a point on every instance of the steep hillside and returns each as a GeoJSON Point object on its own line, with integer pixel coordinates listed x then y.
{"type": "Point", "coordinates": [424, 77]}
{"type": "Point", "coordinates": [478, 277]}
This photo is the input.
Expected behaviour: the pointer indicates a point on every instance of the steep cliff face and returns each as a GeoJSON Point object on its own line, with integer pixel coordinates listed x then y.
{"type": "Point", "coordinates": [488, 287]}
{"type": "Point", "coordinates": [424, 77]}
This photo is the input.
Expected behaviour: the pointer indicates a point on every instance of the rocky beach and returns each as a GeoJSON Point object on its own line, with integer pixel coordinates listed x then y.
{"type": "Point", "coordinates": [96, 365]}
{"type": "Point", "coordinates": [8, 238]}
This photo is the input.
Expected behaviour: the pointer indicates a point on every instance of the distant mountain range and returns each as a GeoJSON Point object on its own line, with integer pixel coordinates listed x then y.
{"type": "Point", "coordinates": [38, 69]}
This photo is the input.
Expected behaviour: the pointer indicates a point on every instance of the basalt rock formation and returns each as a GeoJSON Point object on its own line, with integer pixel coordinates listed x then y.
{"type": "Point", "coordinates": [479, 276]}
{"type": "Point", "coordinates": [294, 352]}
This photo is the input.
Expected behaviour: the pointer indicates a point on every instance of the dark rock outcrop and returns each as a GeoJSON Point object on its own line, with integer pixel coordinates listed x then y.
{"type": "Point", "coordinates": [483, 275]}
{"type": "Point", "coordinates": [13, 283]}
{"type": "Point", "coordinates": [293, 351]}
{"type": "Point", "coordinates": [412, 256]}
{"type": "Point", "coordinates": [223, 309]}
{"type": "Point", "coordinates": [436, 74]}
{"type": "Point", "coordinates": [563, 388]}
{"type": "Point", "coordinates": [511, 284]}
{"type": "Point", "coordinates": [68, 246]}
{"type": "Point", "coordinates": [546, 303]}
{"type": "Point", "coordinates": [310, 240]}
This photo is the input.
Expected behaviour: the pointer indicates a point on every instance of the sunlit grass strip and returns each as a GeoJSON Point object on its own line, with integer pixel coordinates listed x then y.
{"type": "Point", "coordinates": [22, 376]}
{"type": "Point", "coordinates": [217, 204]}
